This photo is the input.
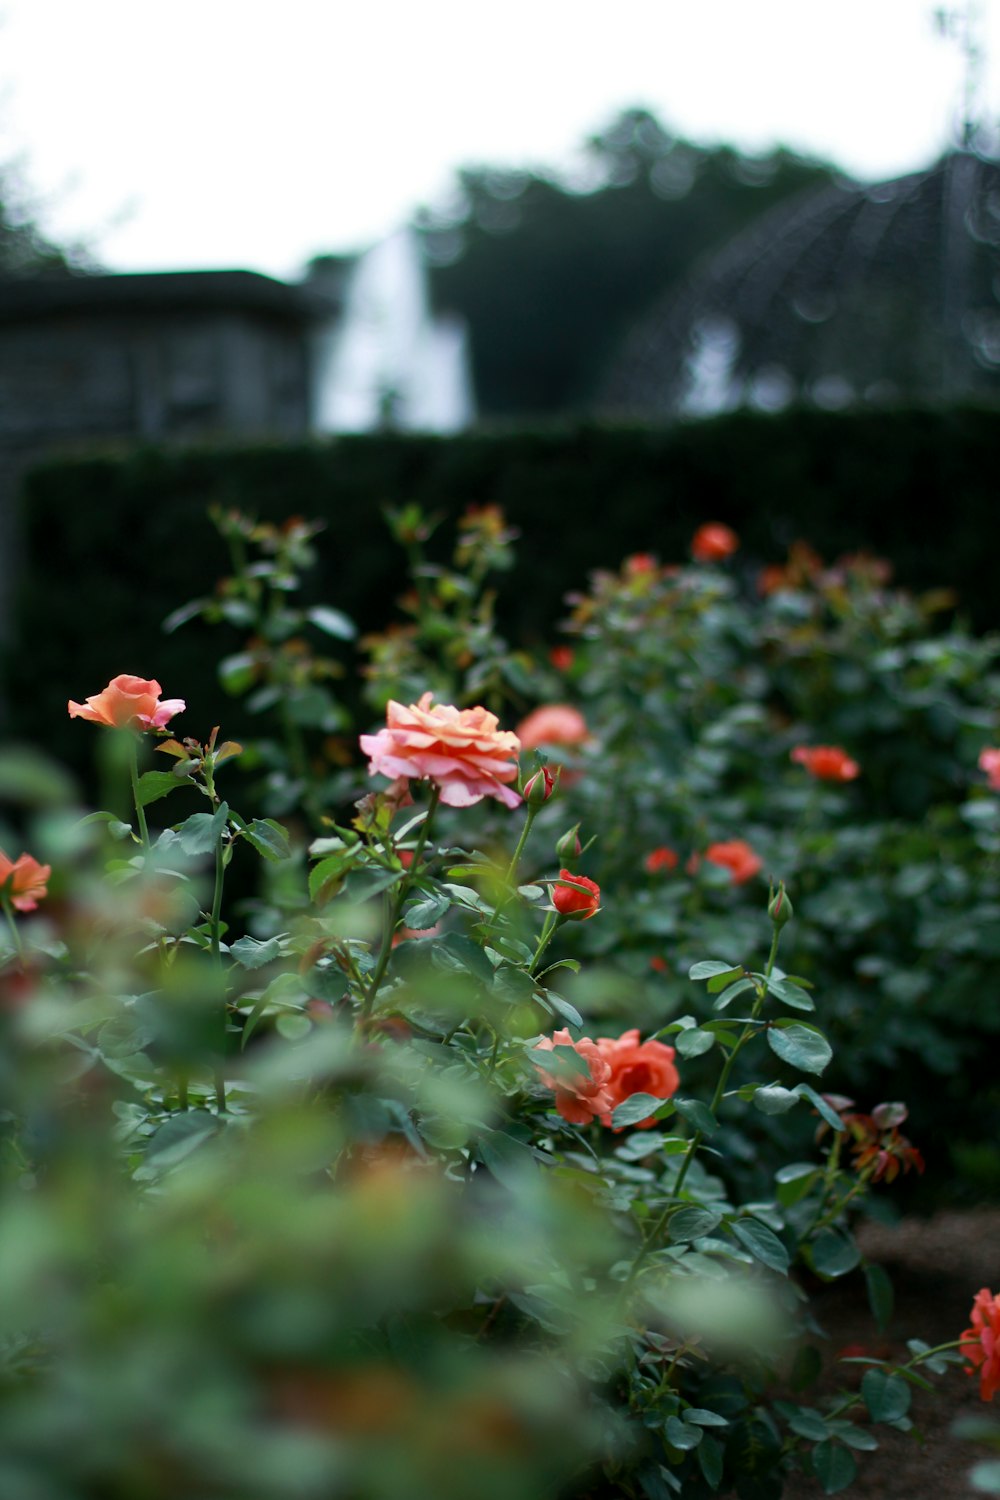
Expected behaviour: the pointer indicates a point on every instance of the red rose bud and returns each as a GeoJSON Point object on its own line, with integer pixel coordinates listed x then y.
{"type": "Point", "coordinates": [779, 908]}
{"type": "Point", "coordinates": [568, 847]}
{"type": "Point", "coordinates": [539, 787]}
{"type": "Point", "coordinates": [576, 897]}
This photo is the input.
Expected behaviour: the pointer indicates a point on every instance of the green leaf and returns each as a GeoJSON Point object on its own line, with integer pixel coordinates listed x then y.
{"type": "Point", "coordinates": [455, 953]}
{"type": "Point", "coordinates": [731, 991]}
{"type": "Point", "coordinates": [332, 622]}
{"type": "Point", "coordinates": [693, 1223]}
{"type": "Point", "coordinates": [762, 1243]}
{"type": "Point", "coordinates": [201, 832]}
{"type": "Point", "coordinates": [829, 1114]}
{"type": "Point", "coordinates": [560, 1061]}
{"type": "Point", "coordinates": [711, 1461]}
{"type": "Point", "coordinates": [881, 1295]}
{"type": "Point", "coordinates": [507, 1158]}
{"type": "Point", "coordinates": [772, 1099]}
{"type": "Point", "coordinates": [238, 673]}
{"type": "Point", "coordinates": [694, 1042]}
{"type": "Point", "coordinates": [156, 784]}
{"type": "Point", "coordinates": [562, 1008]}
{"type": "Point", "coordinates": [807, 1423]}
{"type": "Point", "coordinates": [833, 1253]}
{"type": "Point", "coordinates": [682, 1435]}
{"type": "Point", "coordinates": [705, 1418]}
{"type": "Point", "coordinates": [800, 1045]}
{"type": "Point", "coordinates": [253, 954]}
{"type": "Point", "coordinates": [422, 914]}
{"type": "Point", "coordinates": [794, 1170]}
{"type": "Point", "coordinates": [887, 1397]}
{"type": "Point", "coordinates": [697, 1114]}
{"type": "Point", "coordinates": [709, 967]}
{"type": "Point", "coordinates": [720, 981]}
{"type": "Point", "coordinates": [269, 838]}
{"type": "Point", "coordinates": [790, 994]}
{"type": "Point", "coordinates": [637, 1107]}
{"type": "Point", "coordinates": [834, 1466]}
{"type": "Point", "coordinates": [116, 828]}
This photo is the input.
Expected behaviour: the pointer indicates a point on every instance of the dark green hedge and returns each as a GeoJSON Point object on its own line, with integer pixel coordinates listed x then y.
{"type": "Point", "coordinates": [114, 543]}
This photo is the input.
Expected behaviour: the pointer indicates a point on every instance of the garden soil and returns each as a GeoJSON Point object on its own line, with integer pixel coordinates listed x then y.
{"type": "Point", "coordinates": [937, 1265]}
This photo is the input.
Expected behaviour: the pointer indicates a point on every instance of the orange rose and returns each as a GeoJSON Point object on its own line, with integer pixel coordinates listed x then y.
{"type": "Point", "coordinates": [24, 880]}
{"type": "Point", "coordinates": [713, 542]}
{"type": "Point", "coordinates": [581, 1096]}
{"type": "Point", "coordinates": [658, 860]}
{"type": "Point", "coordinates": [128, 703]}
{"type": "Point", "coordinates": [637, 1068]}
{"type": "Point", "coordinates": [462, 751]}
{"type": "Point", "coordinates": [981, 1343]}
{"type": "Point", "coordinates": [736, 856]}
{"type": "Point", "coordinates": [826, 762]}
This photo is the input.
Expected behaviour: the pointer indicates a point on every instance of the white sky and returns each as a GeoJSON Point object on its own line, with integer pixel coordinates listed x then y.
{"type": "Point", "coordinates": [184, 134]}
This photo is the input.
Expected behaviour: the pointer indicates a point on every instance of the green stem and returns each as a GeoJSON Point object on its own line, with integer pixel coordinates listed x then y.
{"type": "Point", "coordinates": [402, 891]}
{"type": "Point", "coordinates": [12, 924]}
{"type": "Point", "coordinates": [216, 939]}
{"type": "Point", "coordinates": [553, 920]}
{"type": "Point", "coordinates": [508, 879]}
{"type": "Point", "coordinates": [140, 811]}
{"type": "Point", "coordinates": [748, 1031]}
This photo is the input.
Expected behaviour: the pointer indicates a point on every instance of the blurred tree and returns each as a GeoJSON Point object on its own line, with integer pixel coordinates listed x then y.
{"type": "Point", "coordinates": [25, 250]}
{"type": "Point", "coordinates": [550, 272]}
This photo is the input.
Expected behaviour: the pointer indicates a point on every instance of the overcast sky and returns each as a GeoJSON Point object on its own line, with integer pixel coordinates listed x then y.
{"type": "Point", "coordinates": [221, 133]}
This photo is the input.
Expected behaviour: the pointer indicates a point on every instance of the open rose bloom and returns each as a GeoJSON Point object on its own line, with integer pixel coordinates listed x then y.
{"type": "Point", "coordinates": [637, 1068]}
{"type": "Point", "coordinates": [553, 724]}
{"type": "Point", "coordinates": [580, 1097]}
{"type": "Point", "coordinates": [981, 1343]}
{"type": "Point", "coordinates": [989, 761]}
{"type": "Point", "coordinates": [736, 856]}
{"type": "Point", "coordinates": [462, 751]}
{"type": "Point", "coordinates": [24, 880]}
{"type": "Point", "coordinates": [128, 703]}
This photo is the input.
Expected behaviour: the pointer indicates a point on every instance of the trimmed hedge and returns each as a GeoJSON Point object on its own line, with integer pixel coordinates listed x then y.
{"type": "Point", "coordinates": [114, 543]}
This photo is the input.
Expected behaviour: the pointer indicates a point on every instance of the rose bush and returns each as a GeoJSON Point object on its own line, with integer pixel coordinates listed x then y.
{"type": "Point", "coordinates": [361, 1185]}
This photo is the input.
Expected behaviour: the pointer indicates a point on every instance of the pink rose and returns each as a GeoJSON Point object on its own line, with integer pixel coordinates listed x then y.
{"type": "Point", "coordinates": [989, 761]}
{"type": "Point", "coordinates": [460, 750]}
{"type": "Point", "coordinates": [128, 703]}
{"type": "Point", "coordinates": [553, 724]}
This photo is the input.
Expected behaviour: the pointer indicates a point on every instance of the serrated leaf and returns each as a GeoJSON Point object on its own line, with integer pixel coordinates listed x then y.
{"type": "Point", "coordinates": [201, 832]}
{"type": "Point", "coordinates": [694, 1042]}
{"type": "Point", "coordinates": [326, 875]}
{"type": "Point", "coordinates": [729, 994]}
{"type": "Point", "coordinates": [697, 1114]}
{"type": "Point", "coordinates": [637, 1107]}
{"type": "Point", "coordinates": [790, 993]}
{"type": "Point", "coordinates": [422, 914]}
{"type": "Point", "coordinates": [457, 953]}
{"type": "Point", "coordinates": [253, 954]}
{"type": "Point", "coordinates": [772, 1099]}
{"type": "Point", "coordinates": [762, 1243]}
{"type": "Point", "coordinates": [693, 1223]}
{"type": "Point", "coordinates": [800, 1046]}
{"type": "Point", "coordinates": [156, 784]}
{"type": "Point", "coordinates": [268, 838]}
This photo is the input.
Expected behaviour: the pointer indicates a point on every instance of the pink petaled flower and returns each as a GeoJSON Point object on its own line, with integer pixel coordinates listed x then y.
{"type": "Point", "coordinates": [24, 880]}
{"type": "Point", "coordinates": [826, 762]}
{"type": "Point", "coordinates": [989, 761]}
{"type": "Point", "coordinates": [981, 1343]}
{"type": "Point", "coordinates": [637, 1068]}
{"type": "Point", "coordinates": [553, 724]}
{"type": "Point", "coordinates": [460, 750]}
{"type": "Point", "coordinates": [580, 1097]}
{"type": "Point", "coordinates": [736, 856]}
{"type": "Point", "coordinates": [659, 860]}
{"type": "Point", "coordinates": [128, 703]}
{"type": "Point", "coordinates": [713, 542]}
